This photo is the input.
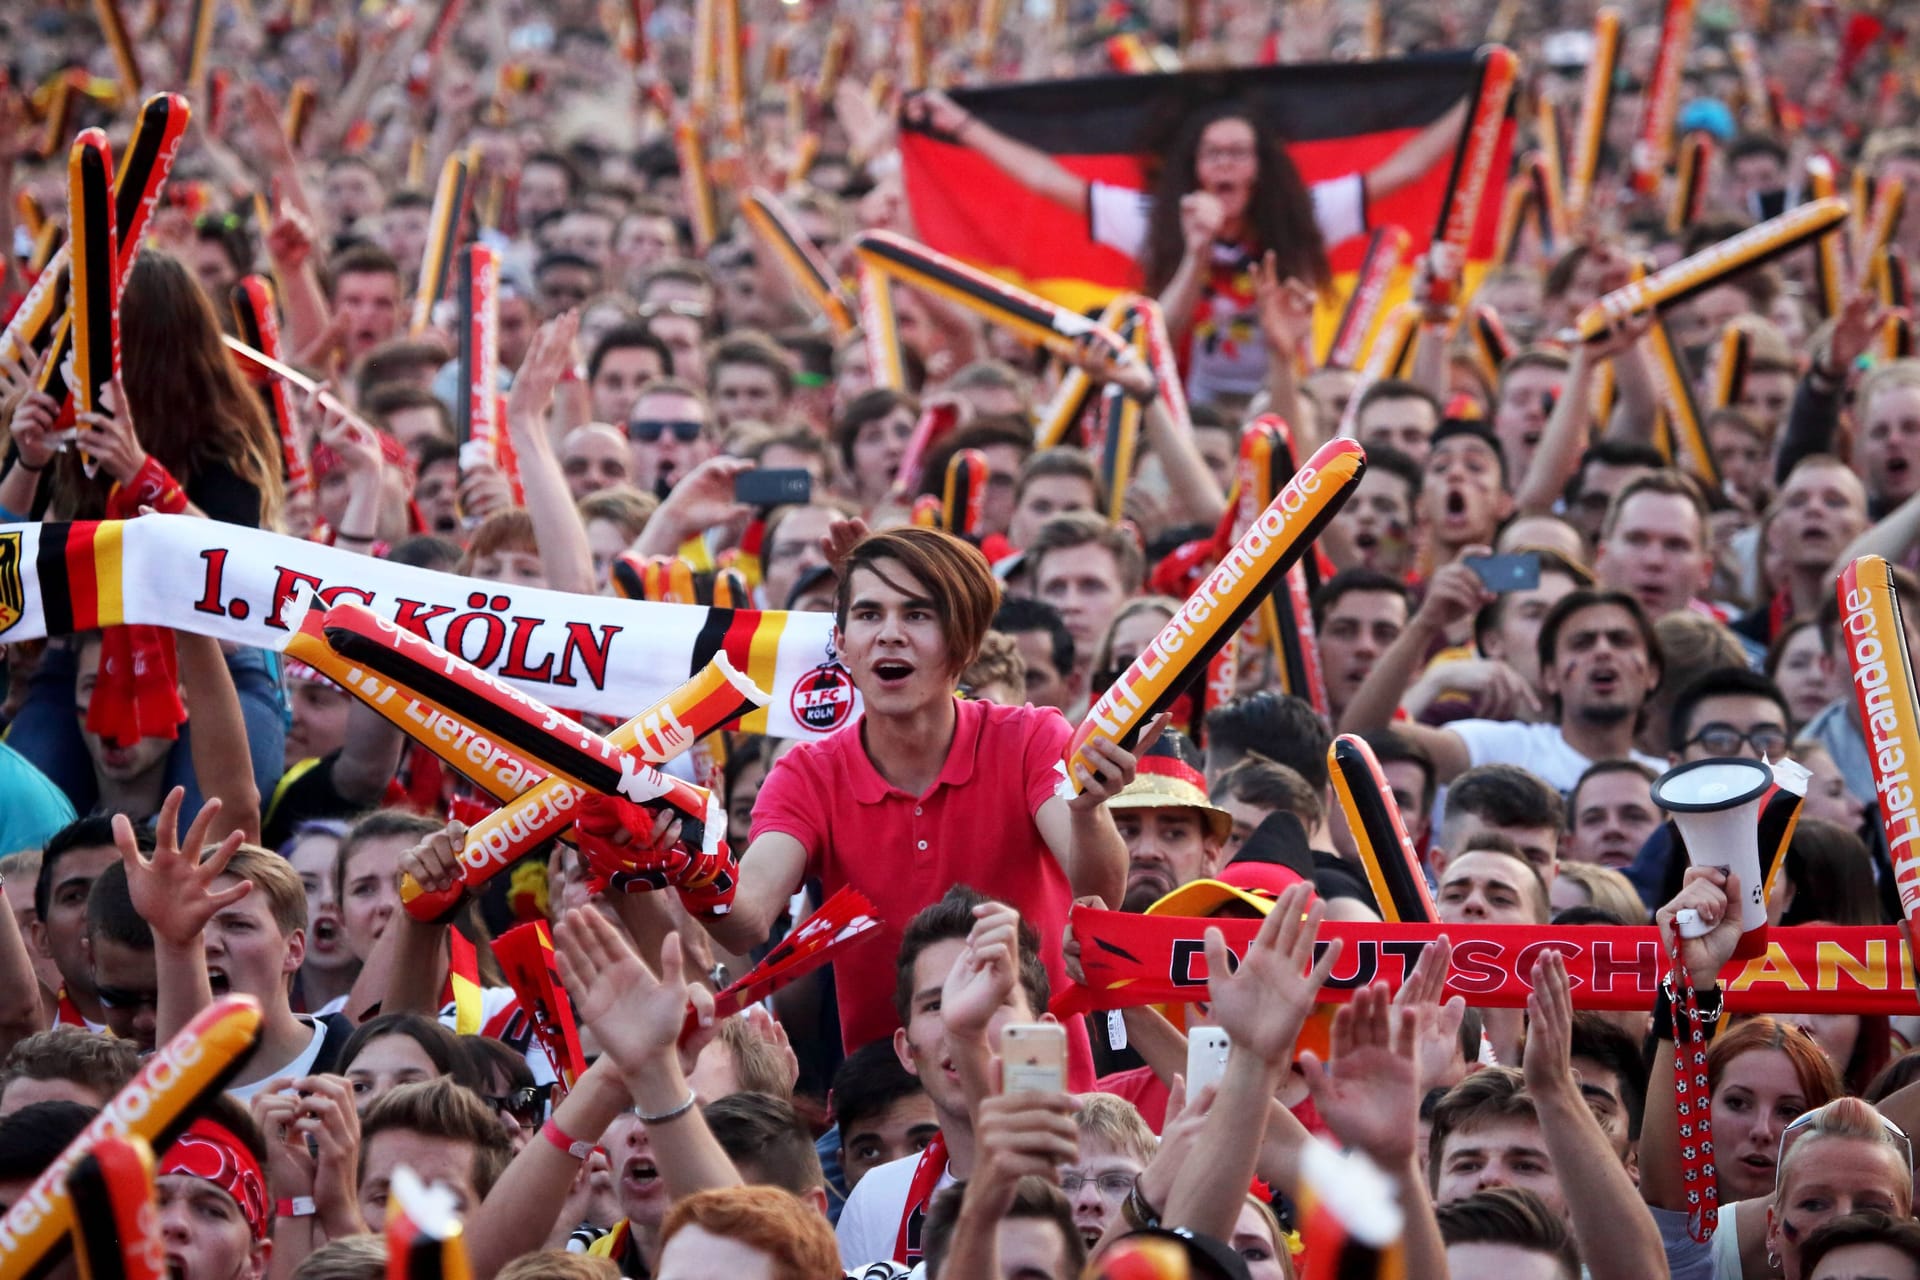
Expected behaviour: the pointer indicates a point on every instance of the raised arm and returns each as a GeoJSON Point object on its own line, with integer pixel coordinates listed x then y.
{"type": "Point", "coordinates": [1617, 1238]}
{"type": "Point", "coordinates": [557, 529]}
{"type": "Point", "coordinates": [407, 970]}
{"type": "Point", "coordinates": [222, 764]}
{"type": "Point", "coordinates": [1080, 832]}
{"type": "Point", "coordinates": [1892, 537]}
{"type": "Point", "coordinates": [1032, 168]}
{"type": "Point", "coordinates": [1424, 150]}
{"type": "Point", "coordinates": [20, 1012]}
{"type": "Point", "coordinates": [1261, 1005]}
{"type": "Point", "coordinates": [1570, 428]}
{"type": "Point", "coordinates": [1454, 595]}
{"type": "Point", "coordinates": [173, 891]}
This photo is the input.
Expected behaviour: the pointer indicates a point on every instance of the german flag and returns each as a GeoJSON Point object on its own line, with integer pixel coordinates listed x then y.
{"type": "Point", "coordinates": [751, 641]}
{"type": "Point", "coordinates": [79, 569]}
{"type": "Point", "coordinates": [1339, 118]}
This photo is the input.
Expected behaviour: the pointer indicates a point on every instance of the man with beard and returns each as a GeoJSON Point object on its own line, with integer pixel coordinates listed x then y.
{"type": "Point", "coordinates": [1599, 663]}
{"type": "Point", "coordinates": [1174, 834]}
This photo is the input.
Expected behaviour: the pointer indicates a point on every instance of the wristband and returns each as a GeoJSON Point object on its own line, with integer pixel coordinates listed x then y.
{"type": "Point", "coordinates": [295, 1207]}
{"type": "Point", "coordinates": [665, 1116]}
{"type": "Point", "coordinates": [20, 460]}
{"type": "Point", "coordinates": [1140, 1215]}
{"type": "Point", "coordinates": [1710, 1003]}
{"type": "Point", "coordinates": [566, 1145]}
{"type": "Point", "coordinates": [341, 535]}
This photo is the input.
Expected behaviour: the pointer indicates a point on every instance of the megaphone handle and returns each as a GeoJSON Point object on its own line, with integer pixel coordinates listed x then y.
{"type": "Point", "coordinates": [1690, 925]}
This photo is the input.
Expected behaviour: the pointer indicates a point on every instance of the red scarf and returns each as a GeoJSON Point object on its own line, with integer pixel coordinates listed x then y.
{"type": "Point", "coordinates": [137, 692]}
{"type": "Point", "coordinates": [913, 1218]}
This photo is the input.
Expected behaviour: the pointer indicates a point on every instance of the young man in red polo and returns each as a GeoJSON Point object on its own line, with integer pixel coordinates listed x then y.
{"type": "Point", "coordinates": [926, 790]}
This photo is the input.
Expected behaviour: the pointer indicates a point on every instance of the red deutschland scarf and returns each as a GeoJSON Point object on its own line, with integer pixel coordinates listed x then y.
{"type": "Point", "coordinates": [137, 692]}
{"type": "Point", "coordinates": [926, 1176]}
{"type": "Point", "coordinates": [1134, 960]}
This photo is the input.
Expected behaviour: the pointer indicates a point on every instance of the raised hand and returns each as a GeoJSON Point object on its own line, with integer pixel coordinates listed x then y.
{"type": "Point", "coordinates": [1263, 1004]}
{"type": "Point", "coordinates": [635, 1017]}
{"type": "Point", "coordinates": [1455, 592]}
{"type": "Point", "coordinates": [434, 863]}
{"type": "Point", "coordinates": [1285, 307]}
{"type": "Point", "coordinates": [842, 536]}
{"type": "Point", "coordinates": [1019, 1135]}
{"type": "Point", "coordinates": [1548, 1060]}
{"type": "Point", "coordinates": [547, 358]}
{"type": "Point", "coordinates": [33, 428]}
{"type": "Point", "coordinates": [109, 436]}
{"type": "Point", "coordinates": [1116, 766]}
{"type": "Point", "coordinates": [1369, 1091]}
{"type": "Point", "coordinates": [173, 890]}
{"type": "Point", "coordinates": [1201, 217]}
{"type": "Point", "coordinates": [983, 976]}
{"type": "Point", "coordinates": [1437, 1019]}
{"type": "Point", "coordinates": [1715, 894]}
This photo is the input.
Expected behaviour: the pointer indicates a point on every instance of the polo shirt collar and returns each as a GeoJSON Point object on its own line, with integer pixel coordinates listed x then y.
{"type": "Point", "coordinates": [969, 716]}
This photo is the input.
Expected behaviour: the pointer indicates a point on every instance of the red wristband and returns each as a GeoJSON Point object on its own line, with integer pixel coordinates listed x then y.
{"type": "Point", "coordinates": [570, 1146]}
{"type": "Point", "coordinates": [295, 1207]}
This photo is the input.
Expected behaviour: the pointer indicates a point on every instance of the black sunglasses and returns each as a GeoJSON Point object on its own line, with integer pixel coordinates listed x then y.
{"type": "Point", "coordinates": [1724, 739]}
{"type": "Point", "coordinates": [648, 430]}
{"type": "Point", "coordinates": [124, 998]}
{"type": "Point", "coordinates": [528, 1104]}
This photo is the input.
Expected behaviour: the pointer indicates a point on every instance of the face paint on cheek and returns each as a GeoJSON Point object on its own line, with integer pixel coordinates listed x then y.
{"type": "Point", "coordinates": [1789, 1230]}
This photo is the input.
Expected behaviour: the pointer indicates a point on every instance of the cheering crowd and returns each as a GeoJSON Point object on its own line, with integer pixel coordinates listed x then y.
{"type": "Point", "coordinates": [1541, 596]}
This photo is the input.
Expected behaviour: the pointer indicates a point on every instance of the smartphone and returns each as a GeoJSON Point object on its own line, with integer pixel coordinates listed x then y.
{"type": "Point", "coordinates": [1501, 574]}
{"type": "Point", "coordinates": [1206, 1058]}
{"type": "Point", "coordinates": [774, 487]}
{"type": "Point", "coordinates": [1033, 1057]}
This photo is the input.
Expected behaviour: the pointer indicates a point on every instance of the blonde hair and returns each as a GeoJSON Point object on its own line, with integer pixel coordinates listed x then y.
{"type": "Point", "coordinates": [758, 1066]}
{"type": "Point", "coordinates": [1113, 1120]}
{"type": "Point", "coordinates": [998, 662]}
{"type": "Point", "coordinates": [1846, 1117]}
{"type": "Point", "coordinates": [358, 1257]}
{"type": "Point", "coordinates": [274, 877]}
{"type": "Point", "coordinates": [1606, 889]}
{"type": "Point", "coordinates": [557, 1264]}
{"type": "Point", "coordinates": [1890, 376]}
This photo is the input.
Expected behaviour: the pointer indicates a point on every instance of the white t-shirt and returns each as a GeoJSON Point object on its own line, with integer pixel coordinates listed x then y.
{"type": "Point", "coordinates": [299, 1067]}
{"type": "Point", "coordinates": [870, 1221]}
{"type": "Point", "coordinates": [1538, 748]}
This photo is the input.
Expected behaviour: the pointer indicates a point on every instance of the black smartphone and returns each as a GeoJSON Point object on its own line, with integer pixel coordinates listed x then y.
{"type": "Point", "coordinates": [775, 487]}
{"type": "Point", "coordinates": [1501, 574]}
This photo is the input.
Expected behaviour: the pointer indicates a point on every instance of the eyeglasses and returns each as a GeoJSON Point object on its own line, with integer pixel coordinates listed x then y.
{"type": "Point", "coordinates": [648, 430]}
{"type": "Point", "coordinates": [527, 1105]}
{"type": "Point", "coordinates": [1805, 1118]}
{"type": "Point", "coordinates": [1724, 739]}
{"type": "Point", "coordinates": [1227, 155]}
{"type": "Point", "coordinates": [1113, 1186]}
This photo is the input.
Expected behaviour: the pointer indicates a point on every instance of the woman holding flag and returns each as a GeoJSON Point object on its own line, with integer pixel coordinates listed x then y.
{"type": "Point", "coordinates": [1226, 197]}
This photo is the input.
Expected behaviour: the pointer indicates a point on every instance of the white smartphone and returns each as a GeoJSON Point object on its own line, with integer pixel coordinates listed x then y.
{"type": "Point", "coordinates": [1206, 1058]}
{"type": "Point", "coordinates": [1033, 1058]}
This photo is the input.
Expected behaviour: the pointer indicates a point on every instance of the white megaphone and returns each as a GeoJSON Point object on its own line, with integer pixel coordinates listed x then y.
{"type": "Point", "coordinates": [1716, 805]}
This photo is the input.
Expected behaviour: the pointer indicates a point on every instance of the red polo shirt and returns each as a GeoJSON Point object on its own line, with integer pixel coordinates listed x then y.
{"type": "Point", "coordinates": [974, 826]}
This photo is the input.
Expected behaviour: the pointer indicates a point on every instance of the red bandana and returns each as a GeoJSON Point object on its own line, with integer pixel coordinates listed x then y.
{"type": "Point", "coordinates": [209, 1150]}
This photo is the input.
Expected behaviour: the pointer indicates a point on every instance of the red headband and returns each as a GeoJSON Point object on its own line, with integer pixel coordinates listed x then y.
{"type": "Point", "coordinates": [210, 1151]}
{"type": "Point", "coordinates": [1171, 767]}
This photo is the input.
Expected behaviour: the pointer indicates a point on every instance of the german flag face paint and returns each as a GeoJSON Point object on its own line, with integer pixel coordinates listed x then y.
{"type": "Point", "coordinates": [1379, 833]}
{"type": "Point", "coordinates": [1655, 141]}
{"type": "Point", "coordinates": [259, 326]}
{"type": "Point", "coordinates": [160, 1100]}
{"type": "Point", "coordinates": [963, 500]}
{"type": "Point", "coordinates": [1713, 264]}
{"type": "Point", "coordinates": [1596, 103]}
{"type": "Point", "coordinates": [450, 200]}
{"type": "Point", "coordinates": [1225, 598]}
{"type": "Point", "coordinates": [1030, 317]}
{"type": "Point", "coordinates": [1873, 633]}
{"type": "Point", "coordinates": [717, 697]}
{"type": "Point", "coordinates": [96, 296]}
{"type": "Point", "coordinates": [802, 264]}
{"type": "Point", "coordinates": [1473, 160]}
{"type": "Point", "coordinates": [116, 1220]}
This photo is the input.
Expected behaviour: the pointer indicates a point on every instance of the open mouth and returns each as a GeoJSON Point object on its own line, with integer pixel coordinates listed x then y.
{"type": "Point", "coordinates": [217, 979]}
{"type": "Point", "coordinates": [325, 930]}
{"type": "Point", "coordinates": [640, 1176]}
{"type": "Point", "coordinates": [1366, 540]}
{"type": "Point", "coordinates": [176, 1267]}
{"type": "Point", "coordinates": [1456, 504]}
{"type": "Point", "coordinates": [1090, 1234]}
{"type": "Point", "coordinates": [892, 671]}
{"type": "Point", "coordinates": [1531, 438]}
